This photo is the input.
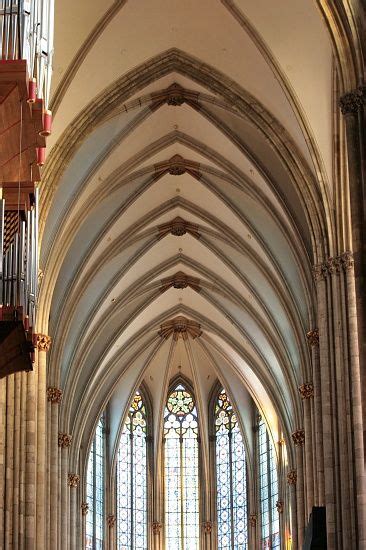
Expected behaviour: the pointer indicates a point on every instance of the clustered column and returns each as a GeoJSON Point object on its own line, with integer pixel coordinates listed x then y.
{"type": "Point", "coordinates": [54, 398]}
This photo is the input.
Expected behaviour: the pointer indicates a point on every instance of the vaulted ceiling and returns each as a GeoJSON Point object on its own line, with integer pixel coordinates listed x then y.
{"type": "Point", "coordinates": [189, 176]}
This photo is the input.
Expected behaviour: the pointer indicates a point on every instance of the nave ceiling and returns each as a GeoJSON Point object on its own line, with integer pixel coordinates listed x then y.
{"type": "Point", "coordinates": [200, 115]}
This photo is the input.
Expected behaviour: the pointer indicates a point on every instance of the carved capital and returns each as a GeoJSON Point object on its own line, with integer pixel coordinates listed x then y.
{"type": "Point", "coordinates": [313, 337]}
{"type": "Point", "coordinates": [84, 508]}
{"type": "Point", "coordinates": [156, 527]}
{"type": "Point", "coordinates": [298, 437]}
{"type": "Point", "coordinates": [64, 440]}
{"type": "Point", "coordinates": [73, 480]}
{"type": "Point", "coordinates": [292, 477]}
{"type": "Point", "coordinates": [42, 342]}
{"type": "Point", "coordinates": [111, 520]}
{"type": "Point", "coordinates": [333, 265]}
{"type": "Point", "coordinates": [180, 280]}
{"type": "Point", "coordinates": [252, 520]}
{"type": "Point", "coordinates": [351, 102]}
{"type": "Point", "coordinates": [347, 260]}
{"type": "Point", "coordinates": [306, 390]}
{"type": "Point", "coordinates": [180, 327]}
{"type": "Point", "coordinates": [54, 395]}
{"type": "Point", "coordinates": [207, 527]}
{"type": "Point", "coordinates": [279, 506]}
{"type": "Point", "coordinates": [319, 272]}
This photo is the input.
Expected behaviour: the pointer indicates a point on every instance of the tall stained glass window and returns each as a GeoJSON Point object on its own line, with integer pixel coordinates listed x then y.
{"type": "Point", "coordinates": [95, 491]}
{"type": "Point", "coordinates": [268, 490]}
{"type": "Point", "coordinates": [231, 496]}
{"type": "Point", "coordinates": [132, 479]}
{"type": "Point", "coordinates": [181, 467]}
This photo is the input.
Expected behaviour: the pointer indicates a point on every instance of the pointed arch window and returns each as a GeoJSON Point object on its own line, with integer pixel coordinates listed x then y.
{"type": "Point", "coordinates": [268, 490]}
{"type": "Point", "coordinates": [231, 480]}
{"type": "Point", "coordinates": [181, 470]}
{"type": "Point", "coordinates": [95, 491]}
{"type": "Point", "coordinates": [132, 479]}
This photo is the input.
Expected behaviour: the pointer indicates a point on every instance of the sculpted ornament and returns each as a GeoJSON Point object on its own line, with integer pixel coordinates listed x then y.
{"type": "Point", "coordinates": [54, 395]}
{"type": "Point", "coordinates": [306, 391]}
{"type": "Point", "coordinates": [313, 337]}
{"type": "Point", "coordinates": [84, 508]}
{"type": "Point", "coordinates": [73, 480]}
{"type": "Point", "coordinates": [347, 260]}
{"type": "Point", "coordinates": [42, 342]}
{"type": "Point", "coordinates": [279, 506]}
{"type": "Point", "coordinates": [292, 477]}
{"type": "Point", "coordinates": [253, 519]}
{"type": "Point", "coordinates": [207, 527]}
{"type": "Point", "coordinates": [180, 327]}
{"type": "Point", "coordinates": [64, 440]}
{"type": "Point", "coordinates": [350, 103]}
{"type": "Point", "coordinates": [156, 527]}
{"type": "Point", "coordinates": [298, 437]}
{"type": "Point", "coordinates": [111, 520]}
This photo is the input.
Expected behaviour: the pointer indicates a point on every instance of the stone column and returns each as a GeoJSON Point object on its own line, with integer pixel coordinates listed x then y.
{"type": "Point", "coordinates": [298, 438]}
{"type": "Point", "coordinates": [357, 436]}
{"type": "Point", "coordinates": [320, 272]}
{"type": "Point", "coordinates": [111, 526]}
{"type": "Point", "coordinates": [252, 531]}
{"type": "Point", "coordinates": [2, 454]}
{"type": "Point", "coordinates": [23, 429]}
{"type": "Point", "coordinates": [64, 442]}
{"type": "Point", "coordinates": [73, 482]}
{"type": "Point", "coordinates": [291, 480]}
{"type": "Point", "coordinates": [54, 398]}
{"type": "Point", "coordinates": [9, 465]}
{"type": "Point", "coordinates": [313, 339]}
{"type": "Point", "coordinates": [84, 512]}
{"type": "Point", "coordinates": [17, 450]}
{"type": "Point", "coordinates": [307, 393]}
{"type": "Point", "coordinates": [30, 463]}
{"type": "Point", "coordinates": [352, 106]}
{"type": "Point", "coordinates": [43, 343]}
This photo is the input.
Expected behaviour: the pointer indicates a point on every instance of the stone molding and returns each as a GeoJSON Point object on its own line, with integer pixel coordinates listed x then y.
{"type": "Point", "coordinates": [54, 395]}
{"type": "Point", "coordinates": [292, 477]}
{"type": "Point", "coordinates": [207, 527]}
{"type": "Point", "coordinates": [180, 280]}
{"type": "Point", "coordinates": [178, 227]}
{"type": "Point", "coordinates": [306, 390]}
{"type": "Point", "coordinates": [180, 327]}
{"type": "Point", "coordinates": [84, 508]}
{"type": "Point", "coordinates": [64, 440]}
{"type": "Point", "coordinates": [42, 342]}
{"type": "Point", "coordinates": [253, 520]}
{"type": "Point", "coordinates": [111, 520]}
{"type": "Point", "coordinates": [298, 437]}
{"type": "Point", "coordinates": [313, 337]}
{"type": "Point", "coordinates": [73, 480]}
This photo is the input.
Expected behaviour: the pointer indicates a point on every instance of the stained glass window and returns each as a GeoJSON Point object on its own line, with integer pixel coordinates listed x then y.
{"type": "Point", "coordinates": [95, 491]}
{"type": "Point", "coordinates": [231, 496]}
{"type": "Point", "coordinates": [268, 490]}
{"type": "Point", "coordinates": [181, 467]}
{"type": "Point", "coordinates": [132, 479]}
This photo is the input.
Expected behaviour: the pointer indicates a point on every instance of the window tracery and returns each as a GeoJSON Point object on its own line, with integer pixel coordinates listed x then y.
{"type": "Point", "coordinates": [231, 484]}
{"type": "Point", "coordinates": [268, 490]}
{"type": "Point", "coordinates": [132, 479]}
{"type": "Point", "coordinates": [95, 490]}
{"type": "Point", "coordinates": [181, 470]}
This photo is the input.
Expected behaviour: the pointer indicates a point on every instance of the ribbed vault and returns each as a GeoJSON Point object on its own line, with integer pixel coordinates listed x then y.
{"type": "Point", "coordinates": [182, 183]}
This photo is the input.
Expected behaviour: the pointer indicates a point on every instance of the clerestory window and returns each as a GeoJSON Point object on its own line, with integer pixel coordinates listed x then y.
{"type": "Point", "coordinates": [231, 478]}
{"type": "Point", "coordinates": [95, 491]}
